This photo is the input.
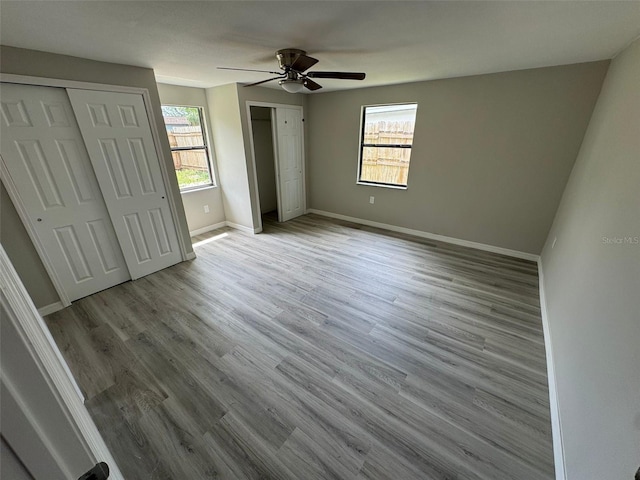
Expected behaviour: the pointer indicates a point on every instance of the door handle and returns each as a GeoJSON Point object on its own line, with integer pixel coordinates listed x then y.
{"type": "Point", "coordinates": [99, 472]}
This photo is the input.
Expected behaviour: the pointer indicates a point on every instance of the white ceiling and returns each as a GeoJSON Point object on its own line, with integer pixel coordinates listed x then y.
{"type": "Point", "coordinates": [392, 41]}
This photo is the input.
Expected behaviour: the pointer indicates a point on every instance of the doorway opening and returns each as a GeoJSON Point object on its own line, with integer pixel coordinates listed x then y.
{"type": "Point", "coordinates": [264, 155]}
{"type": "Point", "coordinates": [277, 151]}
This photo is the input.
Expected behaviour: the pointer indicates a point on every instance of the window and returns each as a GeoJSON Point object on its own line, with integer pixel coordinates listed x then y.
{"type": "Point", "coordinates": [188, 146]}
{"type": "Point", "coordinates": [385, 144]}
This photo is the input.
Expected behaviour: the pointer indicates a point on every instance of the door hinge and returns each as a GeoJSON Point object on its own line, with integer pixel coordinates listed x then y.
{"type": "Point", "coordinates": [99, 472]}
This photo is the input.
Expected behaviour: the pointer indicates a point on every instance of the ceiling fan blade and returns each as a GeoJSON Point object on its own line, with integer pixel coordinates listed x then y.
{"type": "Point", "coordinates": [302, 63]}
{"type": "Point", "coordinates": [248, 70]}
{"type": "Point", "coordinates": [311, 85]}
{"type": "Point", "coordinates": [263, 81]}
{"type": "Point", "coordinates": [339, 75]}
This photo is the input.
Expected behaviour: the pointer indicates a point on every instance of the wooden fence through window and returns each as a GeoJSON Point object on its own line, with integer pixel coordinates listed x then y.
{"type": "Point", "coordinates": [387, 164]}
{"type": "Point", "coordinates": [188, 159]}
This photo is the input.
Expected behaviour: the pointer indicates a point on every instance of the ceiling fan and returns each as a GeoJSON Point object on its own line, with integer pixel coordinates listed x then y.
{"type": "Point", "coordinates": [293, 63]}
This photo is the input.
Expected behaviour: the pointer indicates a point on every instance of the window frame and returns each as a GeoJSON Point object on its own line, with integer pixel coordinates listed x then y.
{"type": "Point", "coordinates": [362, 145]}
{"type": "Point", "coordinates": [205, 137]}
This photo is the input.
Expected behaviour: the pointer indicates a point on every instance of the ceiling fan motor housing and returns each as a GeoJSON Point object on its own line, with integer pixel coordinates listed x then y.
{"type": "Point", "coordinates": [294, 63]}
{"type": "Point", "coordinates": [287, 56]}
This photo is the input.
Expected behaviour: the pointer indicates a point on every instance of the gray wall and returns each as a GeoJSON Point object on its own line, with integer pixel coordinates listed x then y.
{"type": "Point", "coordinates": [491, 153]}
{"type": "Point", "coordinates": [228, 142]}
{"type": "Point", "coordinates": [232, 142]}
{"type": "Point", "coordinates": [195, 200]}
{"type": "Point", "coordinates": [10, 466]}
{"type": "Point", "coordinates": [265, 162]}
{"type": "Point", "coordinates": [25, 259]}
{"type": "Point", "coordinates": [21, 61]}
{"type": "Point", "coordinates": [592, 286]}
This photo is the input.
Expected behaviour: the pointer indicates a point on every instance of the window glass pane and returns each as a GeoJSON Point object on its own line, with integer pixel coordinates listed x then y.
{"type": "Point", "coordinates": [387, 137]}
{"type": "Point", "coordinates": [192, 168]}
{"type": "Point", "coordinates": [183, 126]}
{"type": "Point", "coordinates": [188, 145]}
{"type": "Point", "coordinates": [385, 165]}
{"type": "Point", "coordinates": [389, 124]}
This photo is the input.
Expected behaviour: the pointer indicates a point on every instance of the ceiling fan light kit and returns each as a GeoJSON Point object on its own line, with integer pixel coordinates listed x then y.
{"type": "Point", "coordinates": [294, 62]}
{"type": "Point", "coordinates": [292, 86]}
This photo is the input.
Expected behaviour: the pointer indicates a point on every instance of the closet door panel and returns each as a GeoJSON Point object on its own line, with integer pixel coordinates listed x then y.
{"type": "Point", "coordinates": [45, 155]}
{"type": "Point", "coordinates": [290, 162]}
{"type": "Point", "coordinates": [118, 137]}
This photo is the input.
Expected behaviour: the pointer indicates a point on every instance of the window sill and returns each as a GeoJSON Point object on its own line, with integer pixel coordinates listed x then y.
{"type": "Point", "coordinates": [394, 187]}
{"type": "Point", "coordinates": [198, 189]}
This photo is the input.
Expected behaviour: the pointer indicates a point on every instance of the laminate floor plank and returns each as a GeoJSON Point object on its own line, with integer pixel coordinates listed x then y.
{"type": "Point", "coordinates": [381, 425]}
{"type": "Point", "coordinates": [296, 406]}
{"type": "Point", "coordinates": [319, 349]}
{"type": "Point", "coordinates": [126, 441]}
{"type": "Point", "coordinates": [313, 462]}
{"type": "Point", "coordinates": [458, 449]}
{"type": "Point", "coordinates": [135, 392]}
{"type": "Point", "coordinates": [240, 455]}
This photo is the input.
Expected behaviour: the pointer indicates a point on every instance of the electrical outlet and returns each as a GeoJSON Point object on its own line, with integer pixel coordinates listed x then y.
{"type": "Point", "coordinates": [372, 199]}
{"type": "Point", "coordinates": [206, 209]}
{"type": "Point", "coordinates": [555, 239]}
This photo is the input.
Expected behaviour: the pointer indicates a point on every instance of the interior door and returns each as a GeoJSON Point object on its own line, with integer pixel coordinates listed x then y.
{"type": "Point", "coordinates": [47, 161]}
{"type": "Point", "coordinates": [118, 137]}
{"type": "Point", "coordinates": [290, 162]}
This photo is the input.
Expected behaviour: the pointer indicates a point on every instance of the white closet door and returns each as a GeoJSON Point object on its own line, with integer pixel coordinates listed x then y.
{"type": "Point", "coordinates": [289, 147]}
{"type": "Point", "coordinates": [48, 163]}
{"type": "Point", "coordinates": [116, 131]}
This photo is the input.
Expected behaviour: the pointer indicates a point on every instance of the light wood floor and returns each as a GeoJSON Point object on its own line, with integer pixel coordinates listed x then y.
{"type": "Point", "coordinates": [318, 350]}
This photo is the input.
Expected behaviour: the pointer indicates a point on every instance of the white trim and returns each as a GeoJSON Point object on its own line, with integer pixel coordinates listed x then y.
{"type": "Point", "coordinates": [554, 405]}
{"type": "Point", "coordinates": [382, 185]}
{"type": "Point", "coordinates": [242, 228]}
{"type": "Point", "coordinates": [252, 152]}
{"type": "Point", "coordinates": [256, 205]}
{"type": "Point", "coordinates": [198, 189]}
{"type": "Point", "coordinates": [14, 195]}
{"type": "Point", "coordinates": [208, 228]}
{"type": "Point", "coordinates": [360, 149]}
{"type": "Point", "coordinates": [432, 236]}
{"type": "Point", "coordinates": [51, 308]}
{"type": "Point", "coordinates": [218, 225]}
{"type": "Point", "coordinates": [208, 139]}
{"type": "Point", "coordinates": [276, 158]}
{"type": "Point", "coordinates": [46, 354]}
{"type": "Point", "coordinates": [63, 83]}
{"type": "Point", "coordinates": [155, 133]}
{"type": "Point", "coordinates": [191, 255]}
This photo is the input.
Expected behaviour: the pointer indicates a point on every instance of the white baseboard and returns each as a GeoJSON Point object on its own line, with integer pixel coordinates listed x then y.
{"type": "Point", "coordinates": [216, 226]}
{"type": "Point", "coordinates": [432, 236]}
{"type": "Point", "coordinates": [208, 228]}
{"type": "Point", "coordinates": [242, 228]}
{"type": "Point", "coordinates": [556, 430]}
{"type": "Point", "coordinates": [51, 308]}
